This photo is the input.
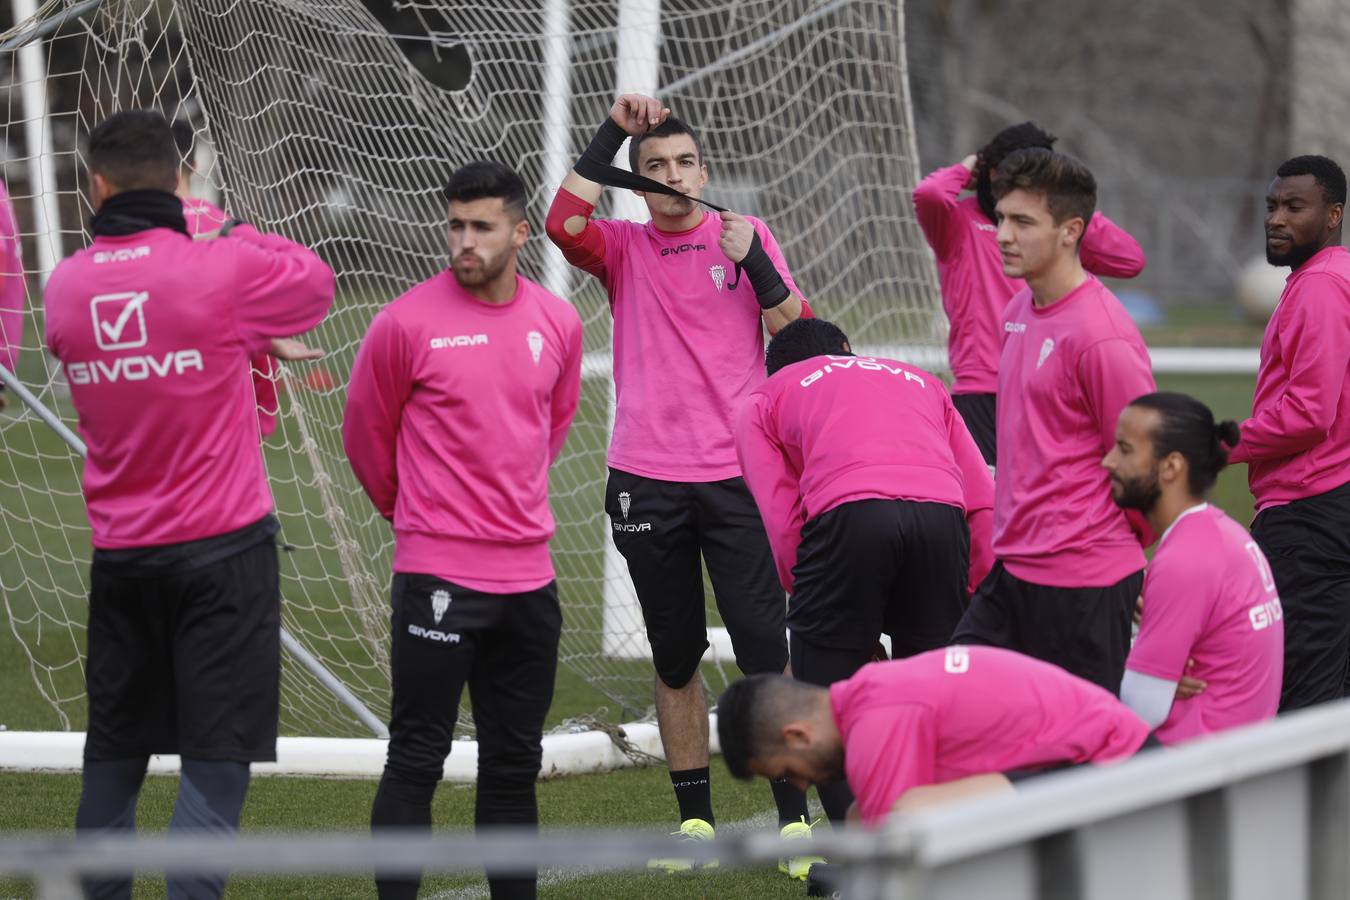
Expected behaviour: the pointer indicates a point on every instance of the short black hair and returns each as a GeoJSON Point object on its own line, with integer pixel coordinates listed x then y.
{"type": "Point", "coordinates": [487, 178]}
{"type": "Point", "coordinates": [1328, 175]}
{"type": "Point", "coordinates": [669, 128]}
{"type": "Point", "coordinates": [134, 149]}
{"type": "Point", "coordinates": [751, 713]}
{"type": "Point", "coordinates": [992, 154]}
{"type": "Point", "coordinates": [1187, 426]}
{"type": "Point", "coordinates": [1068, 186]}
{"type": "Point", "coordinates": [185, 138]}
{"type": "Point", "coordinates": [802, 339]}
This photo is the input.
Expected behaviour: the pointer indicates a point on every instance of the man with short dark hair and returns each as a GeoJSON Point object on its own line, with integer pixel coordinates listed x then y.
{"type": "Point", "coordinates": [1297, 442]}
{"type": "Point", "coordinates": [691, 294]}
{"type": "Point", "coordinates": [975, 289]}
{"type": "Point", "coordinates": [1069, 566]}
{"type": "Point", "coordinates": [154, 331]}
{"type": "Point", "coordinates": [1210, 610]}
{"type": "Point", "coordinates": [930, 729]}
{"type": "Point", "coordinates": [461, 397]}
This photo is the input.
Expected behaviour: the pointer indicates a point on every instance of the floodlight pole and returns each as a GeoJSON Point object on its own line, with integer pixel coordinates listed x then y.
{"type": "Point", "coordinates": [297, 650]}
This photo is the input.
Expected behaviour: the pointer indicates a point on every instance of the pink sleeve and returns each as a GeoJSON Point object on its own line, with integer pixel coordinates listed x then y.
{"type": "Point", "coordinates": [12, 288]}
{"type": "Point", "coordinates": [567, 392]}
{"type": "Point", "coordinates": [1113, 373]}
{"type": "Point", "coordinates": [1314, 329]}
{"type": "Point", "coordinates": [887, 752]}
{"type": "Point", "coordinates": [585, 250]}
{"type": "Point", "coordinates": [979, 496]}
{"type": "Point", "coordinates": [1108, 249]}
{"type": "Point", "coordinates": [773, 483]}
{"type": "Point", "coordinates": [285, 288]}
{"type": "Point", "coordinates": [1177, 599]}
{"type": "Point", "coordinates": [380, 383]}
{"type": "Point", "coordinates": [935, 205]}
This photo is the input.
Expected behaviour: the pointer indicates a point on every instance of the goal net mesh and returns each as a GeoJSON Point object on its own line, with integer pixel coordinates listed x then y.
{"type": "Point", "coordinates": [315, 121]}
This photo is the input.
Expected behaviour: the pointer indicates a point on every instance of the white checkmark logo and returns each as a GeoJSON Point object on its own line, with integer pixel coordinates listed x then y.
{"type": "Point", "coordinates": [109, 334]}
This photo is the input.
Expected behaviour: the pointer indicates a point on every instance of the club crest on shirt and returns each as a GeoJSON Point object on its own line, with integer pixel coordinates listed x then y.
{"type": "Point", "coordinates": [536, 342]}
{"type": "Point", "coordinates": [440, 602]}
{"type": "Point", "coordinates": [1046, 349]}
{"type": "Point", "coordinates": [719, 275]}
{"type": "Point", "coordinates": [957, 661]}
{"type": "Point", "coordinates": [625, 503]}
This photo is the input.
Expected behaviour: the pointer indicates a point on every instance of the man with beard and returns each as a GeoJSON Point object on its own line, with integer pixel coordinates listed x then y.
{"type": "Point", "coordinates": [1209, 596]}
{"type": "Point", "coordinates": [1069, 566]}
{"type": "Point", "coordinates": [461, 396]}
{"type": "Point", "coordinates": [926, 730]}
{"type": "Point", "coordinates": [1297, 442]}
{"type": "Point", "coordinates": [975, 288]}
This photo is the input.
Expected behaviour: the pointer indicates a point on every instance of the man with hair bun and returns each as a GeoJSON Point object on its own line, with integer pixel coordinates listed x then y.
{"type": "Point", "coordinates": [1209, 595]}
{"type": "Point", "coordinates": [1297, 442]}
{"type": "Point", "coordinates": [975, 288]}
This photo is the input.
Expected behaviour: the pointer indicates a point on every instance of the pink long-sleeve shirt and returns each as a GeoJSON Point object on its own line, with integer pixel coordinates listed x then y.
{"type": "Point", "coordinates": [154, 331]}
{"type": "Point", "coordinates": [1066, 372]}
{"type": "Point", "coordinates": [688, 346]}
{"type": "Point", "coordinates": [959, 711]}
{"type": "Point", "coordinates": [834, 429]}
{"type": "Point", "coordinates": [455, 410]}
{"type": "Point", "coordinates": [1209, 595]}
{"type": "Point", "coordinates": [970, 272]}
{"type": "Point", "coordinates": [1297, 442]}
{"type": "Point", "coordinates": [12, 289]}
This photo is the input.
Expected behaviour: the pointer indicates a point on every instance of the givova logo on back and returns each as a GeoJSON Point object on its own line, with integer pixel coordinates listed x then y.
{"type": "Point", "coordinates": [119, 324]}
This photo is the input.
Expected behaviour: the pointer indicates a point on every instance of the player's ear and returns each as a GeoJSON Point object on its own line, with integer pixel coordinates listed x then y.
{"type": "Point", "coordinates": [99, 190]}
{"type": "Point", "coordinates": [796, 735]}
{"type": "Point", "coordinates": [1073, 231]}
{"type": "Point", "coordinates": [521, 234]}
{"type": "Point", "coordinates": [1335, 214]}
{"type": "Point", "coordinates": [1173, 467]}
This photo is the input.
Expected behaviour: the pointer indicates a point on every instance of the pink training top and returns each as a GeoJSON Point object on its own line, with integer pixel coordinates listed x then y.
{"type": "Point", "coordinates": [455, 410]}
{"type": "Point", "coordinates": [1297, 442]}
{"type": "Point", "coordinates": [1066, 373]}
{"type": "Point", "coordinates": [960, 711]}
{"type": "Point", "coordinates": [203, 221]}
{"type": "Point", "coordinates": [834, 429]}
{"type": "Point", "coordinates": [1209, 595]}
{"type": "Point", "coordinates": [154, 331]}
{"type": "Point", "coordinates": [970, 271]}
{"type": "Point", "coordinates": [12, 285]}
{"type": "Point", "coordinates": [688, 347]}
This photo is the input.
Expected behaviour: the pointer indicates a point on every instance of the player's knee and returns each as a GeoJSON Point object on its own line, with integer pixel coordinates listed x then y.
{"type": "Point", "coordinates": [676, 667]}
{"type": "Point", "coordinates": [761, 651]}
{"type": "Point", "coordinates": [413, 767]}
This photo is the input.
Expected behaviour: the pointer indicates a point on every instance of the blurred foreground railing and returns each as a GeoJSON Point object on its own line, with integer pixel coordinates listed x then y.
{"type": "Point", "coordinates": [1255, 814]}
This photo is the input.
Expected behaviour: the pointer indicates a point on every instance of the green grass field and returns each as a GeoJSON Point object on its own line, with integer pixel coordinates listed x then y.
{"type": "Point", "coordinates": [40, 557]}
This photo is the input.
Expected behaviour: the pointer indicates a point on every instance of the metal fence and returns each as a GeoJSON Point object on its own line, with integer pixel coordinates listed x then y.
{"type": "Point", "coordinates": [1255, 814]}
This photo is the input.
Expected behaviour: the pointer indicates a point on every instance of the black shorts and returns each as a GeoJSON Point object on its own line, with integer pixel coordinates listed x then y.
{"type": "Point", "coordinates": [1308, 545]}
{"type": "Point", "coordinates": [1018, 776]}
{"type": "Point", "coordinates": [185, 658]}
{"type": "Point", "coordinates": [504, 647]}
{"type": "Point", "coordinates": [980, 414]}
{"type": "Point", "coordinates": [663, 529]}
{"type": "Point", "coordinates": [871, 566]}
{"type": "Point", "coordinates": [1085, 631]}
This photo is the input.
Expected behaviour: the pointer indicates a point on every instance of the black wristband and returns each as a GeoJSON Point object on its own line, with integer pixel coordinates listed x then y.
{"type": "Point", "coordinates": [229, 226]}
{"type": "Point", "coordinates": [770, 289]}
{"type": "Point", "coordinates": [599, 155]}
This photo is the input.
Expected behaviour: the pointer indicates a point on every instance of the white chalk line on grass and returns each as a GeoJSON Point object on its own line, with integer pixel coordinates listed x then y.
{"type": "Point", "coordinates": [553, 877]}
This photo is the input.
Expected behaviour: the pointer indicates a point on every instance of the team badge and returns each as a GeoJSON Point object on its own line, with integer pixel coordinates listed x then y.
{"type": "Point", "coordinates": [536, 342]}
{"type": "Point", "coordinates": [719, 275]}
{"type": "Point", "coordinates": [440, 602]}
{"type": "Point", "coordinates": [625, 503]}
{"type": "Point", "coordinates": [1046, 349]}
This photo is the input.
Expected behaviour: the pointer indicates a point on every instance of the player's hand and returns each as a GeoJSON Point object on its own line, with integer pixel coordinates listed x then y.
{"type": "Point", "coordinates": [737, 235]}
{"type": "Point", "coordinates": [291, 350]}
{"type": "Point", "coordinates": [637, 113]}
{"type": "Point", "coordinates": [971, 162]}
{"type": "Point", "coordinates": [1138, 609]}
{"type": "Point", "coordinates": [1189, 687]}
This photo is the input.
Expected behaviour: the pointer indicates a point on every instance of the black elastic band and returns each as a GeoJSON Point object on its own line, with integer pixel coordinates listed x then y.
{"type": "Point", "coordinates": [770, 289]}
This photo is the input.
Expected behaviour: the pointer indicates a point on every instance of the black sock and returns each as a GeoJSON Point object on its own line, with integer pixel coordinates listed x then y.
{"type": "Point", "coordinates": [836, 798]}
{"type": "Point", "coordinates": [210, 800]}
{"type": "Point", "coordinates": [402, 801]}
{"type": "Point", "coordinates": [693, 791]}
{"type": "Point", "coordinates": [108, 803]}
{"type": "Point", "coordinates": [791, 802]}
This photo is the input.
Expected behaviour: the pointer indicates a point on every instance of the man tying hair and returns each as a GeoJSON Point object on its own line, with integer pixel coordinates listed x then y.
{"type": "Point", "coordinates": [1208, 593]}
{"type": "Point", "coordinates": [930, 729]}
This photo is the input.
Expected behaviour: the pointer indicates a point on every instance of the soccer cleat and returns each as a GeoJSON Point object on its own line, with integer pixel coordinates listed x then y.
{"type": "Point", "coordinates": [690, 830]}
{"type": "Point", "coordinates": [797, 867]}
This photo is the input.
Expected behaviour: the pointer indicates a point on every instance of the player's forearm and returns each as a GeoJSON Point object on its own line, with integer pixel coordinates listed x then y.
{"type": "Point", "coordinates": [790, 310]}
{"type": "Point", "coordinates": [604, 146]}
{"type": "Point", "coordinates": [583, 189]}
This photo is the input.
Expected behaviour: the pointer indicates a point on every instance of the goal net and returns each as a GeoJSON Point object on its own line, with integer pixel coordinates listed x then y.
{"type": "Point", "coordinates": [336, 123]}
